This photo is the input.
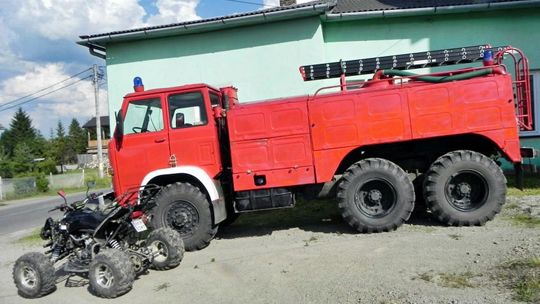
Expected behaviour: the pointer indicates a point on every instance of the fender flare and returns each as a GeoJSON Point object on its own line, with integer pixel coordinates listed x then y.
{"type": "Point", "coordinates": [212, 187]}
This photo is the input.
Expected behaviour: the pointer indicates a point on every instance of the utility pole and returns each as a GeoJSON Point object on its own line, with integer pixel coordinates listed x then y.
{"type": "Point", "coordinates": [98, 121]}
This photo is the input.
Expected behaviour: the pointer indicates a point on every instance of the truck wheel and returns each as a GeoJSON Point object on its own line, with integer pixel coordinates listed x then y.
{"type": "Point", "coordinates": [34, 275]}
{"type": "Point", "coordinates": [184, 208]}
{"type": "Point", "coordinates": [375, 195]}
{"type": "Point", "coordinates": [168, 247]}
{"type": "Point", "coordinates": [464, 188]}
{"type": "Point", "coordinates": [111, 274]}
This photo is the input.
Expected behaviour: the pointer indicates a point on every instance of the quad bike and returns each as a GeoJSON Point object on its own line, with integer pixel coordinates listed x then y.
{"type": "Point", "coordinates": [103, 238]}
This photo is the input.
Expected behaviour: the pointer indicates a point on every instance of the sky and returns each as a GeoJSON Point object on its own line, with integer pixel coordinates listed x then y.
{"type": "Point", "coordinates": [39, 54]}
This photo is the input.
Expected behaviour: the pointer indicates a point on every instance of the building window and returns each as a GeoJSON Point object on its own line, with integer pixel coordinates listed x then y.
{"type": "Point", "coordinates": [535, 96]}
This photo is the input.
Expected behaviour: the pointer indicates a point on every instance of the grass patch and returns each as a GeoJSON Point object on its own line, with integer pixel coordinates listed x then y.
{"type": "Point", "coordinates": [524, 220]}
{"type": "Point", "coordinates": [32, 239]}
{"type": "Point", "coordinates": [523, 278]}
{"type": "Point", "coordinates": [449, 280]}
{"type": "Point", "coordinates": [454, 280]}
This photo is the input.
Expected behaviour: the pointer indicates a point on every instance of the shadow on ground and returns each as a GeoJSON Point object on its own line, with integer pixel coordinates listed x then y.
{"type": "Point", "coordinates": [319, 215]}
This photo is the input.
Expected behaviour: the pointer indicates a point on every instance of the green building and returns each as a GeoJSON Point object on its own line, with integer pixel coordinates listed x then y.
{"type": "Point", "coordinates": [260, 52]}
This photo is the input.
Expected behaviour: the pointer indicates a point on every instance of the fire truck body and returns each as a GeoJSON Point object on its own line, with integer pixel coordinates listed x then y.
{"type": "Point", "coordinates": [217, 157]}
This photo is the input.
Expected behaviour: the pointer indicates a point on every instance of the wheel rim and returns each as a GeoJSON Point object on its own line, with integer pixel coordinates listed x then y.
{"type": "Point", "coordinates": [104, 276]}
{"type": "Point", "coordinates": [467, 190]}
{"type": "Point", "coordinates": [160, 251]}
{"type": "Point", "coordinates": [375, 198]}
{"type": "Point", "coordinates": [183, 217]}
{"type": "Point", "coordinates": [28, 277]}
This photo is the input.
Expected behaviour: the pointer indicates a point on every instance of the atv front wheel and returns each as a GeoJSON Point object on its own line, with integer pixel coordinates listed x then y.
{"type": "Point", "coordinates": [34, 275]}
{"type": "Point", "coordinates": [111, 274]}
{"type": "Point", "coordinates": [167, 247]}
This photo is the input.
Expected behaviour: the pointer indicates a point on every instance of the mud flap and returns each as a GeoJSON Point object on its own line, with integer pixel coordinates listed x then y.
{"type": "Point", "coordinates": [518, 169]}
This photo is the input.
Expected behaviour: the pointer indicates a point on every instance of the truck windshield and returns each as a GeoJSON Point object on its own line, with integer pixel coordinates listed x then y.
{"type": "Point", "coordinates": [143, 116]}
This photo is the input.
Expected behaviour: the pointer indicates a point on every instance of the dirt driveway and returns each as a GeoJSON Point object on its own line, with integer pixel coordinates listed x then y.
{"type": "Point", "coordinates": [308, 255]}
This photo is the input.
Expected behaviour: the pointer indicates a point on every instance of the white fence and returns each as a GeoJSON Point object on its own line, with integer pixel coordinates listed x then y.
{"type": "Point", "coordinates": [70, 180]}
{"type": "Point", "coordinates": [11, 188]}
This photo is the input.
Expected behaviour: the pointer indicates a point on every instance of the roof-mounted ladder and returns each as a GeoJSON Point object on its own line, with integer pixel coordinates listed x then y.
{"type": "Point", "coordinates": [444, 57]}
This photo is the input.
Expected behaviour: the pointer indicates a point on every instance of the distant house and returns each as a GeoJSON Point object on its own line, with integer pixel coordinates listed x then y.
{"type": "Point", "coordinates": [90, 127]}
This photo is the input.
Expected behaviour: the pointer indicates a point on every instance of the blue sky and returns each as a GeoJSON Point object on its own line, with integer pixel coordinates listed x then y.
{"type": "Point", "coordinates": [38, 49]}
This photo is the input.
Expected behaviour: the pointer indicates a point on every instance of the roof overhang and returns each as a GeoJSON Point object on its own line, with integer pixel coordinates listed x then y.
{"type": "Point", "coordinates": [97, 43]}
{"type": "Point", "coordinates": [432, 10]}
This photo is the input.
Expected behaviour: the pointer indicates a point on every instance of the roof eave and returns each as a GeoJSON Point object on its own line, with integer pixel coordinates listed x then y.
{"type": "Point", "coordinates": [333, 17]}
{"type": "Point", "coordinates": [313, 10]}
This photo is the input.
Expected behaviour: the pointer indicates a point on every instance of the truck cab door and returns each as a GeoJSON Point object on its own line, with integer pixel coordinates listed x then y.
{"type": "Point", "coordinates": [193, 138]}
{"type": "Point", "coordinates": [145, 146]}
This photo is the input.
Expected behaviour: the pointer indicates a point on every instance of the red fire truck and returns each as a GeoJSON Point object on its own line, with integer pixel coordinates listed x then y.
{"type": "Point", "coordinates": [362, 142]}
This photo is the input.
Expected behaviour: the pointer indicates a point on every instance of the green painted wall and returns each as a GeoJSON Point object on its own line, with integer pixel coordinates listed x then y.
{"type": "Point", "coordinates": [262, 61]}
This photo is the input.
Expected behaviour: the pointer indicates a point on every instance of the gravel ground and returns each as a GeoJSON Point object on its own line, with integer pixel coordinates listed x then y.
{"type": "Point", "coordinates": [322, 261]}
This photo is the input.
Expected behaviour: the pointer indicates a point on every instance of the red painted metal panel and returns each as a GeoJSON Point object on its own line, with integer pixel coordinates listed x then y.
{"type": "Point", "coordinates": [271, 139]}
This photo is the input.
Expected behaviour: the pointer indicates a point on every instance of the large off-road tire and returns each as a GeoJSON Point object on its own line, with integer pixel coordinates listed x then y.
{"type": "Point", "coordinates": [111, 274]}
{"type": "Point", "coordinates": [168, 246]}
{"type": "Point", "coordinates": [375, 195]}
{"type": "Point", "coordinates": [34, 275]}
{"type": "Point", "coordinates": [464, 188]}
{"type": "Point", "coordinates": [184, 208]}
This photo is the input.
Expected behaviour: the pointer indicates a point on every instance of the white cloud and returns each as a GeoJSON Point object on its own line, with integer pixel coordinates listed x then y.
{"type": "Point", "coordinates": [54, 25]}
{"type": "Point", "coordinates": [173, 11]}
{"type": "Point", "coordinates": [75, 101]}
{"type": "Point", "coordinates": [67, 19]}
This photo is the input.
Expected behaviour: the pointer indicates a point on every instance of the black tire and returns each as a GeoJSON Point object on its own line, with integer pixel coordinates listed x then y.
{"type": "Point", "coordinates": [111, 274]}
{"type": "Point", "coordinates": [184, 208]}
{"type": "Point", "coordinates": [464, 188]}
{"type": "Point", "coordinates": [375, 195]}
{"type": "Point", "coordinates": [168, 245]}
{"type": "Point", "coordinates": [34, 275]}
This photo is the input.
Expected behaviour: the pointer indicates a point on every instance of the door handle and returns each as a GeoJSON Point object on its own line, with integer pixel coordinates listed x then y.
{"type": "Point", "coordinates": [159, 140]}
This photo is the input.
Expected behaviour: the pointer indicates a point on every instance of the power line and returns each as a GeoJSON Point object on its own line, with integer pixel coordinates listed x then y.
{"type": "Point", "coordinates": [46, 88]}
{"type": "Point", "coordinates": [45, 94]}
{"type": "Point", "coordinates": [252, 3]}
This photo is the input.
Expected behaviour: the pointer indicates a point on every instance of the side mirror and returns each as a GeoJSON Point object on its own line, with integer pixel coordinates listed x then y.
{"type": "Point", "coordinates": [119, 130]}
{"type": "Point", "coordinates": [91, 184]}
{"type": "Point", "coordinates": [62, 193]}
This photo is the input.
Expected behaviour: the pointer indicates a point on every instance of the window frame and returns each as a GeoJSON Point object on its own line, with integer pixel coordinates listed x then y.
{"type": "Point", "coordinates": [204, 103]}
{"type": "Point", "coordinates": [125, 112]}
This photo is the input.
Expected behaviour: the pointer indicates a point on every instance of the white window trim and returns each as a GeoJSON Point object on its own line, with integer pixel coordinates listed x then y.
{"type": "Point", "coordinates": [536, 102]}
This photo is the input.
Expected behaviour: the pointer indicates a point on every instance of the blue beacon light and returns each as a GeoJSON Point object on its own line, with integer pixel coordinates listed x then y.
{"type": "Point", "coordinates": [138, 85]}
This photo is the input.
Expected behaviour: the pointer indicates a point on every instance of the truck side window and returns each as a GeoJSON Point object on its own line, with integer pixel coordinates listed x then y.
{"type": "Point", "coordinates": [143, 116]}
{"type": "Point", "coordinates": [214, 99]}
{"type": "Point", "coordinates": [187, 110]}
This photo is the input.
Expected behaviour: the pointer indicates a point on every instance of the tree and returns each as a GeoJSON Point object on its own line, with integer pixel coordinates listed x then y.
{"type": "Point", "coordinates": [20, 131]}
{"type": "Point", "coordinates": [60, 146]}
{"type": "Point", "coordinates": [77, 140]}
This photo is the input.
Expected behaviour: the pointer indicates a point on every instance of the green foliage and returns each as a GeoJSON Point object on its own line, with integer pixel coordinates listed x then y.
{"type": "Point", "coordinates": [46, 167]}
{"type": "Point", "coordinates": [77, 140]}
{"type": "Point", "coordinates": [42, 183]}
{"type": "Point", "coordinates": [20, 132]}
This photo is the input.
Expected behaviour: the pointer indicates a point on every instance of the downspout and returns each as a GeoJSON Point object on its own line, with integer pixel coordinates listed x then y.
{"type": "Point", "coordinates": [97, 50]}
